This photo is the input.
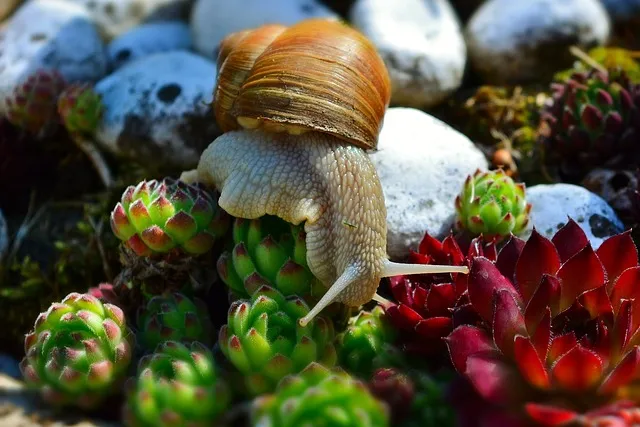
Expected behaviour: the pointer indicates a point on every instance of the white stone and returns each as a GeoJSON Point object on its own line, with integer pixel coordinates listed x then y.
{"type": "Point", "coordinates": [422, 163]}
{"type": "Point", "coordinates": [115, 17]}
{"type": "Point", "coordinates": [421, 43]}
{"type": "Point", "coordinates": [157, 109]}
{"type": "Point", "coordinates": [212, 20]}
{"type": "Point", "coordinates": [148, 39]}
{"type": "Point", "coordinates": [553, 204]}
{"type": "Point", "coordinates": [4, 237]}
{"type": "Point", "coordinates": [516, 41]}
{"type": "Point", "coordinates": [53, 35]}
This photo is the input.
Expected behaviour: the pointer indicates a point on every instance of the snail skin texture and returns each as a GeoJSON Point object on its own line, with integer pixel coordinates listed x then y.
{"type": "Point", "coordinates": [317, 179]}
{"type": "Point", "coordinates": [299, 105]}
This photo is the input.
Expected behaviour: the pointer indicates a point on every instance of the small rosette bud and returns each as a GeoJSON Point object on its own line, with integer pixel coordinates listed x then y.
{"type": "Point", "coordinates": [176, 386]}
{"type": "Point", "coordinates": [78, 352]}
{"type": "Point", "coordinates": [318, 396]}
{"type": "Point", "coordinates": [159, 217]}
{"type": "Point", "coordinates": [492, 204]}
{"type": "Point", "coordinates": [265, 342]}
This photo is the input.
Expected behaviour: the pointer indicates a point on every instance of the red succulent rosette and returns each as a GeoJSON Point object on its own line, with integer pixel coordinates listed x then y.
{"type": "Point", "coordinates": [560, 321]}
{"type": "Point", "coordinates": [422, 311]}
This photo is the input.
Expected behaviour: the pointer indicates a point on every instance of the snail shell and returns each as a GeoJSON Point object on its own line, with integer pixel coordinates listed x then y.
{"type": "Point", "coordinates": [313, 96]}
{"type": "Point", "coordinates": [318, 75]}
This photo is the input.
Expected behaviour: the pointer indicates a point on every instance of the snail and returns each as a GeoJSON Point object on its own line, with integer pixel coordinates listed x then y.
{"type": "Point", "coordinates": [299, 107]}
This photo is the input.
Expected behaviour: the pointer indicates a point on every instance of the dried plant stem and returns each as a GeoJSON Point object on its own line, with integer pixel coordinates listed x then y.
{"type": "Point", "coordinates": [96, 158]}
{"type": "Point", "coordinates": [583, 56]}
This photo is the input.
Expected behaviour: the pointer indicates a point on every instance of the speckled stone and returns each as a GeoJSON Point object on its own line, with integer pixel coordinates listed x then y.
{"type": "Point", "coordinates": [422, 163]}
{"type": "Point", "coordinates": [114, 17]}
{"type": "Point", "coordinates": [421, 43]}
{"type": "Point", "coordinates": [212, 20]}
{"type": "Point", "coordinates": [148, 39]}
{"type": "Point", "coordinates": [49, 34]}
{"type": "Point", "coordinates": [157, 109]}
{"type": "Point", "coordinates": [519, 41]}
{"type": "Point", "coordinates": [553, 204]}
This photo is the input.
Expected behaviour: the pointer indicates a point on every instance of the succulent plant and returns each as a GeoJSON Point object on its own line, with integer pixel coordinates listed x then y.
{"type": "Point", "coordinates": [80, 108]}
{"type": "Point", "coordinates": [492, 204]}
{"type": "Point", "coordinates": [592, 121]}
{"type": "Point", "coordinates": [173, 317]}
{"type": "Point", "coordinates": [559, 331]}
{"type": "Point", "coordinates": [422, 312]}
{"type": "Point", "coordinates": [362, 340]}
{"type": "Point", "coordinates": [430, 405]}
{"type": "Point", "coordinates": [318, 396]}
{"type": "Point", "coordinates": [265, 342]}
{"type": "Point", "coordinates": [269, 251]}
{"type": "Point", "coordinates": [613, 59]}
{"type": "Point", "coordinates": [78, 352]}
{"type": "Point", "coordinates": [159, 217]}
{"type": "Point", "coordinates": [32, 105]}
{"type": "Point", "coordinates": [166, 228]}
{"type": "Point", "coordinates": [178, 385]}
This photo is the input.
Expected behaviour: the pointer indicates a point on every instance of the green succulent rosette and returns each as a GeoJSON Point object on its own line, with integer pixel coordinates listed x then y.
{"type": "Point", "coordinates": [363, 341]}
{"type": "Point", "coordinates": [173, 317]}
{"type": "Point", "coordinates": [269, 251]}
{"type": "Point", "coordinates": [168, 216]}
{"type": "Point", "coordinates": [80, 108]}
{"type": "Point", "coordinates": [79, 352]}
{"type": "Point", "coordinates": [178, 385]}
{"type": "Point", "coordinates": [492, 204]}
{"type": "Point", "coordinates": [265, 342]}
{"type": "Point", "coordinates": [318, 396]}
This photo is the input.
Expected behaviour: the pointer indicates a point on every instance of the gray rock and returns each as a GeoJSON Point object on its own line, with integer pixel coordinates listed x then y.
{"type": "Point", "coordinates": [10, 366]}
{"type": "Point", "coordinates": [4, 237]}
{"type": "Point", "coordinates": [422, 163]}
{"type": "Point", "coordinates": [49, 34]}
{"type": "Point", "coordinates": [115, 17]}
{"type": "Point", "coordinates": [157, 109]}
{"type": "Point", "coordinates": [212, 20]}
{"type": "Point", "coordinates": [553, 204]}
{"type": "Point", "coordinates": [518, 41]}
{"type": "Point", "coordinates": [421, 43]}
{"type": "Point", "coordinates": [148, 39]}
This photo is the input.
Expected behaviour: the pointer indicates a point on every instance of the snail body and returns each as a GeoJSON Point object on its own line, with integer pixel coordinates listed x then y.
{"type": "Point", "coordinates": [299, 106]}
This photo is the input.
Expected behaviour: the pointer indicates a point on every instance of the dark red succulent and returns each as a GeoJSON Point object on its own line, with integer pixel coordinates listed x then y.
{"type": "Point", "coordinates": [559, 335]}
{"type": "Point", "coordinates": [422, 311]}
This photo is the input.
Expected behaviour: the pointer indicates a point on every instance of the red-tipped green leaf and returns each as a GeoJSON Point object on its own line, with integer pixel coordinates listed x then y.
{"type": "Point", "coordinates": [539, 257]}
{"type": "Point", "coordinates": [577, 370]}
{"type": "Point", "coordinates": [579, 274]}
{"type": "Point", "coordinates": [484, 281]}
